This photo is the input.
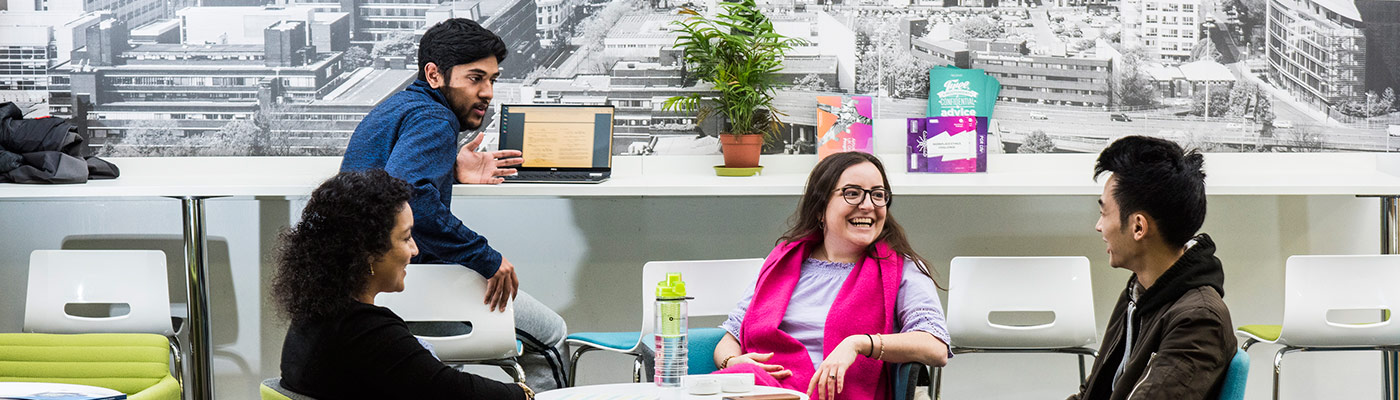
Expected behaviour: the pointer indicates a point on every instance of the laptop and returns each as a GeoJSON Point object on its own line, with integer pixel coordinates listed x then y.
{"type": "Point", "coordinates": [560, 143]}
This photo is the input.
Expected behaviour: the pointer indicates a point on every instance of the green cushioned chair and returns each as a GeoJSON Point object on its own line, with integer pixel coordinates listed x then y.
{"type": "Point", "coordinates": [1315, 286]}
{"type": "Point", "coordinates": [137, 364]}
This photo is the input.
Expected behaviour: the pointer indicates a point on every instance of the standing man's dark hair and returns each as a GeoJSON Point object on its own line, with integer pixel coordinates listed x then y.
{"type": "Point", "coordinates": [1157, 177]}
{"type": "Point", "coordinates": [1170, 334]}
{"type": "Point", "coordinates": [457, 41]}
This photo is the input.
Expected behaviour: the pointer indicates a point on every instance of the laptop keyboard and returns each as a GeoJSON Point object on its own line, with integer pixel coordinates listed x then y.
{"type": "Point", "coordinates": [556, 176]}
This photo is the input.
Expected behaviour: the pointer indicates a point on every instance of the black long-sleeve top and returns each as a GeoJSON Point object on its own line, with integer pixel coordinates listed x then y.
{"type": "Point", "coordinates": [367, 352]}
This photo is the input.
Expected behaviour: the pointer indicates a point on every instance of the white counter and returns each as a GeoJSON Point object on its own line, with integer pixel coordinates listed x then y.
{"type": "Point", "coordinates": [1010, 174]}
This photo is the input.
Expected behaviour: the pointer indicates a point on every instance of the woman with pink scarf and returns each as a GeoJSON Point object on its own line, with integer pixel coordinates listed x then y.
{"type": "Point", "coordinates": [842, 296]}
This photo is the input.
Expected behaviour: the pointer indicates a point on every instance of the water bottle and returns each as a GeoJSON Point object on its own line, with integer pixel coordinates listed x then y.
{"type": "Point", "coordinates": [671, 360]}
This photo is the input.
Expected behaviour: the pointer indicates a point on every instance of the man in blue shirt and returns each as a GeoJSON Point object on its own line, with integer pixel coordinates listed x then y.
{"type": "Point", "coordinates": [413, 136]}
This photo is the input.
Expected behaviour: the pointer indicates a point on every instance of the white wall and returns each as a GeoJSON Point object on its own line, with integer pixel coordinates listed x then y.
{"type": "Point", "coordinates": [583, 257]}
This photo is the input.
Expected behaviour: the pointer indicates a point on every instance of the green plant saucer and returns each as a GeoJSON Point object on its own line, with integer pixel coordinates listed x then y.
{"type": "Point", "coordinates": [724, 171]}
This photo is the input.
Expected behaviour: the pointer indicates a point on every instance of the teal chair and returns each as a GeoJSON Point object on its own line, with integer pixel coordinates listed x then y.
{"type": "Point", "coordinates": [907, 377]}
{"type": "Point", "coordinates": [715, 286]}
{"type": "Point", "coordinates": [1235, 377]}
{"type": "Point", "coordinates": [137, 364]}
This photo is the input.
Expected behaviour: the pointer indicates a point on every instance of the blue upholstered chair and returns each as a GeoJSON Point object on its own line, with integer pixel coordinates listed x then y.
{"type": "Point", "coordinates": [716, 285]}
{"type": "Point", "coordinates": [1235, 377]}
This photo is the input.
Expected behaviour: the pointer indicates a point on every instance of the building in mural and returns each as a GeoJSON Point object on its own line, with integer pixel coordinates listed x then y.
{"type": "Point", "coordinates": [1025, 77]}
{"type": "Point", "coordinates": [1042, 79]}
{"type": "Point", "coordinates": [552, 16]}
{"type": "Point", "coordinates": [132, 12]}
{"type": "Point", "coordinates": [1328, 53]}
{"type": "Point", "coordinates": [1169, 29]}
{"type": "Point", "coordinates": [1317, 50]}
{"type": "Point", "coordinates": [34, 42]}
{"type": "Point", "coordinates": [1300, 75]}
{"type": "Point", "coordinates": [198, 89]}
{"type": "Point", "coordinates": [512, 20]}
{"type": "Point", "coordinates": [24, 61]}
{"type": "Point", "coordinates": [162, 31]}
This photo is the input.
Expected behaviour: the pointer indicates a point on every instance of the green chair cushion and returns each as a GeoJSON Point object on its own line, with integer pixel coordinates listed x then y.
{"type": "Point", "coordinates": [268, 393]}
{"type": "Point", "coordinates": [125, 362]}
{"type": "Point", "coordinates": [1265, 332]}
{"type": "Point", "coordinates": [167, 389]}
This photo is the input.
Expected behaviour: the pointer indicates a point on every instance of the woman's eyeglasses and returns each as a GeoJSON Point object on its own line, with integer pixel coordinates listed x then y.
{"type": "Point", "coordinates": [880, 197]}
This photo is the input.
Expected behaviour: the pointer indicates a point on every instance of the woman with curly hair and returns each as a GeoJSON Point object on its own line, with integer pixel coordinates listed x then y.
{"type": "Point", "coordinates": [354, 242]}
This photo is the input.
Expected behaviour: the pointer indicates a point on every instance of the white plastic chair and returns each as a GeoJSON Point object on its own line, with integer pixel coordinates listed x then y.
{"type": "Point", "coordinates": [716, 285]}
{"type": "Point", "coordinates": [453, 293]}
{"type": "Point", "coordinates": [136, 278]}
{"type": "Point", "coordinates": [1316, 285]}
{"type": "Point", "coordinates": [981, 286]}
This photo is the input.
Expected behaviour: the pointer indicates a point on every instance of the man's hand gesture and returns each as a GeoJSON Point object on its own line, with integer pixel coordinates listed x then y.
{"type": "Point", "coordinates": [484, 167]}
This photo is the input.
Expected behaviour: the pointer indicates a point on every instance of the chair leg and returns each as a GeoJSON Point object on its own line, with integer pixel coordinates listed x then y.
{"type": "Point", "coordinates": [573, 363]}
{"type": "Point", "coordinates": [1387, 371]}
{"type": "Point", "coordinates": [1083, 376]}
{"type": "Point", "coordinates": [1247, 343]}
{"type": "Point", "coordinates": [179, 370]}
{"type": "Point", "coordinates": [515, 371]}
{"type": "Point", "coordinates": [937, 389]}
{"type": "Point", "coordinates": [1278, 366]}
{"type": "Point", "coordinates": [637, 369]}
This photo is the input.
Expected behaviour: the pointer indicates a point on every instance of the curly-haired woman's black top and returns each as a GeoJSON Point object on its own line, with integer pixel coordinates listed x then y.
{"type": "Point", "coordinates": [367, 352]}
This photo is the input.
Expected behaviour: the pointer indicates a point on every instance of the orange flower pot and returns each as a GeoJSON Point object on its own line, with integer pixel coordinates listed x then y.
{"type": "Point", "coordinates": [741, 151]}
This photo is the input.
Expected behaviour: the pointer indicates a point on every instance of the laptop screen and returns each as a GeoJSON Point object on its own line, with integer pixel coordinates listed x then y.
{"type": "Point", "coordinates": [558, 136]}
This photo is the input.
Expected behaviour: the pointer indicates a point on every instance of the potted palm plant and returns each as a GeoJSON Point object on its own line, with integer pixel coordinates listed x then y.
{"type": "Point", "coordinates": [740, 55]}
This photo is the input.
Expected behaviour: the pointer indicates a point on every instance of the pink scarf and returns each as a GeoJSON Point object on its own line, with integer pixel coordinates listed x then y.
{"type": "Point", "coordinates": [865, 305]}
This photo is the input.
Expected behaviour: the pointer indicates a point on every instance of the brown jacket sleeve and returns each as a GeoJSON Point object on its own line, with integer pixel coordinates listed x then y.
{"type": "Point", "coordinates": [1190, 360]}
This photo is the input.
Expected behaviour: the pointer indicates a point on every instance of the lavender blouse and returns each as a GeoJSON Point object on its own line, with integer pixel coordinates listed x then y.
{"type": "Point", "coordinates": [917, 307]}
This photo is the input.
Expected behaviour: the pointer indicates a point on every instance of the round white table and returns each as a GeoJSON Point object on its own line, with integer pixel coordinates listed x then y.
{"type": "Point", "coordinates": [26, 389]}
{"type": "Point", "coordinates": [647, 391]}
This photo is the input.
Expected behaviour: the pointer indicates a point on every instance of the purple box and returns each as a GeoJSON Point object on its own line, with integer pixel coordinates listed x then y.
{"type": "Point", "coordinates": [947, 144]}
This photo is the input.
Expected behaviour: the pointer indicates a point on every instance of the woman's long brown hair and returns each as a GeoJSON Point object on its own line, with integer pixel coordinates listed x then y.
{"type": "Point", "coordinates": [822, 182]}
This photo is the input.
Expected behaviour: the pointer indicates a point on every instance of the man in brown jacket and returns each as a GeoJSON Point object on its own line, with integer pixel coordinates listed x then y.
{"type": "Point", "coordinates": [1170, 335]}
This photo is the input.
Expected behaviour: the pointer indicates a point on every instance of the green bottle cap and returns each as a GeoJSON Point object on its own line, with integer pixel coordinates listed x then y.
{"type": "Point", "coordinates": [671, 288]}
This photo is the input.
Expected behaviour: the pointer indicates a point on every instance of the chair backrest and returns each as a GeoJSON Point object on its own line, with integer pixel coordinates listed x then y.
{"type": "Point", "coordinates": [1236, 377]}
{"type": "Point", "coordinates": [448, 292]}
{"type": "Point", "coordinates": [59, 278]}
{"type": "Point", "coordinates": [716, 285]}
{"type": "Point", "coordinates": [125, 362]}
{"type": "Point", "coordinates": [1315, 285]}
{"type": "Point", "coordinates": [978, 287]}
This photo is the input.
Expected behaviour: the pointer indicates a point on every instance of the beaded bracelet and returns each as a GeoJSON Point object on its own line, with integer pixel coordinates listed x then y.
{"type": "Point", "coordinates": [725, 364]}
{"type": "Point", "coordinates": [882, 347]}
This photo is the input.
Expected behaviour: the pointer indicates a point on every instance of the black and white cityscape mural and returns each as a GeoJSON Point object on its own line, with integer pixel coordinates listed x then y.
{"type": "Point", "coordinates": [294, 77]}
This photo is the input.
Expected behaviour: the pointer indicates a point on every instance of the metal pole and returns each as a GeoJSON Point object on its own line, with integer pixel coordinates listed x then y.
{"type": "Point", "coordinates": [1390, 244]}
{"type": "Point", "coordinates": [199, 383]}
